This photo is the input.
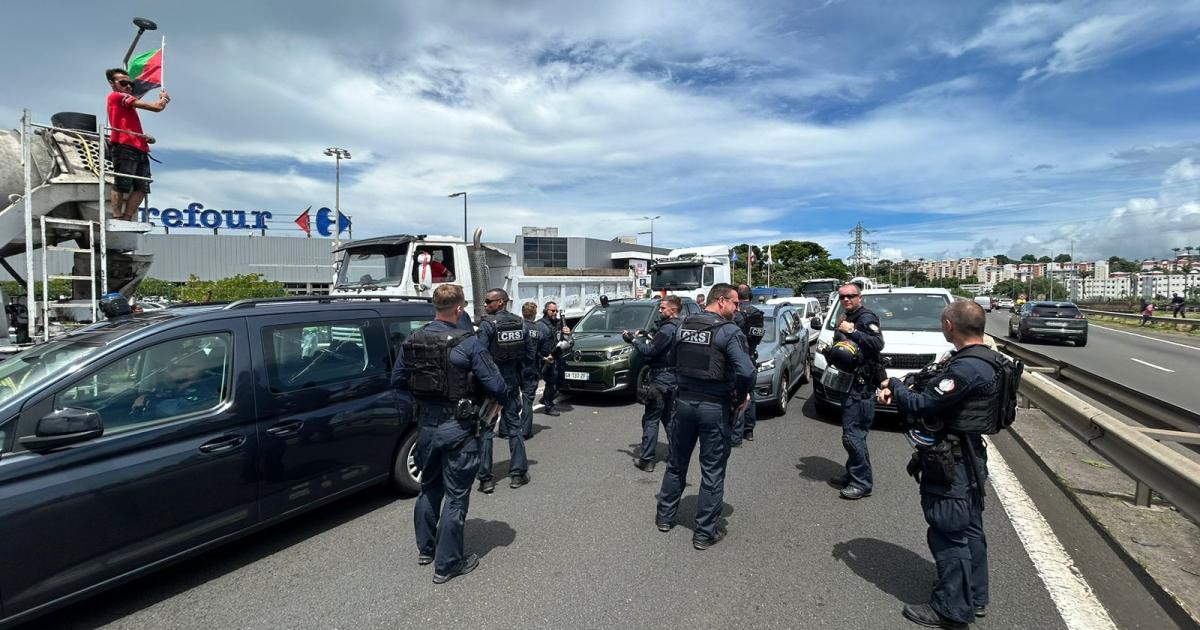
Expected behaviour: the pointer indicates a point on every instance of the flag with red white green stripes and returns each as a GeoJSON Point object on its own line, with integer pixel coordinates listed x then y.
{"type": "Point", "coordinates": [146, 72]}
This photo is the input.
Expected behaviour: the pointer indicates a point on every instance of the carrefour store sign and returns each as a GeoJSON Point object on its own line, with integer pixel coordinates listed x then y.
{"type": "Point", "coordinates": [197, 216]}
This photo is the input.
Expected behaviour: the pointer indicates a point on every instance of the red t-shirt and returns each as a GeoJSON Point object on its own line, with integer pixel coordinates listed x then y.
{"type": "Point", "coordinates": [123, 115]}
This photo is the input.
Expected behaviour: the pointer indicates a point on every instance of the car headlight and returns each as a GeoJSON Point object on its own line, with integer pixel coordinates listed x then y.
{"type": "Point", "coordinates": [617, 353]}
{"type": "Point", "coordinates": [769, 364]}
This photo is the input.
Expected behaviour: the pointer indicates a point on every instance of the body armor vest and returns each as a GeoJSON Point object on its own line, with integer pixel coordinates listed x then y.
{"type": "Point", "coordinates": [753, 325]}
{"type": "Point", "coordinates": [508, 340]}
{"type": "Point", "coordinates": [696, 353]}
{"type": "Point", "coordinates": [979, 413]}
{"type": "Point", "coordinates": [430, 375]}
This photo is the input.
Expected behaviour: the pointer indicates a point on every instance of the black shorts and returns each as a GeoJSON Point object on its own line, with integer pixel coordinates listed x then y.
{"type": "Point", "coordinates": [130, 161]}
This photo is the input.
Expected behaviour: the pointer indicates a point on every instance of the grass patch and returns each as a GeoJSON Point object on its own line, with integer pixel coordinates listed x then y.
{"type": "Point", "coordinates": [1132, 325]}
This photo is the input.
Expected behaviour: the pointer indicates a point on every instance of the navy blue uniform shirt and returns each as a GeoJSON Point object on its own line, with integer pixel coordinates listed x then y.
{"type": "Point", "coordinates": [866, 333]}
{"type": "Point", "coordinates": [487, 332]}
{"type": "Point", "coordinates": [657, 349]}
{"type": "Point", "coordinates": [739, 369]}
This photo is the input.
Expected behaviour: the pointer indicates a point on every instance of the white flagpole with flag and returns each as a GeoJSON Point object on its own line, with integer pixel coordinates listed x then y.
{"type": "Point", "coordinates": [162, 60]}
{"type": "Point", "coordinates": [769, 263]}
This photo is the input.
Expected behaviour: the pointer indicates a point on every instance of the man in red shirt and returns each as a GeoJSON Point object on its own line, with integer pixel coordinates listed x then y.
{"type": "Point", "coordinates": [129, 147]}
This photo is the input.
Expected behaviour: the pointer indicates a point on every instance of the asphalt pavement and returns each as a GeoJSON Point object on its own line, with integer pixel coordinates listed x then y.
{"type": "Point", "coordinates": [1159, 365]}
{"type": "Point", "coordinates": [578, 548]}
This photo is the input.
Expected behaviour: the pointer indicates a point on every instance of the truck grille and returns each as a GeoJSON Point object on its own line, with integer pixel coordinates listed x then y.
{"type": "Point", "coordinates": [589, 356]}
{"type": "Point", "coordinates": [909, 361]}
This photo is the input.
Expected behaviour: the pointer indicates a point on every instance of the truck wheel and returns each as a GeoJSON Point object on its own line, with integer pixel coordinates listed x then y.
{"type": "Point", "coordinates": [641, 389]}
{"type": "Point", "coordinates": [406, 479]}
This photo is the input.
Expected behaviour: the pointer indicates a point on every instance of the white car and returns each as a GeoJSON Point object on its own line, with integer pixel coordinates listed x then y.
{"type": "Point", "coordinates": [806, 308]}
{"type": "Point", "coordinates": [912, 333]}
{"type": "Point", "coordinates": [1005, 303]}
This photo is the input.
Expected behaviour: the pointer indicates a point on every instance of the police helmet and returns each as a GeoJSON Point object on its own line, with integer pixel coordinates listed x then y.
{"type": "Point", "coordinates": [845, 355]}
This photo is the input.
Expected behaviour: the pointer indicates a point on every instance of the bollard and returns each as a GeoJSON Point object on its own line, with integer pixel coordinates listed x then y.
{"type": "Point", "coordinates": [1142, 494]}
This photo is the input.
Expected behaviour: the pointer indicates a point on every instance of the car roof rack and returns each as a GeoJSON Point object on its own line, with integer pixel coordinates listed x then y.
{"type": "Point", "coordinates": [324, 299]}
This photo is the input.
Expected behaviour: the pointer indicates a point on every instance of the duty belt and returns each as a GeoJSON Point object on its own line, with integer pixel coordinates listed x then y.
{"type": "Point", "coordinates": [443, 413]}
{"type": "Point", "coordinates": [684, 394]}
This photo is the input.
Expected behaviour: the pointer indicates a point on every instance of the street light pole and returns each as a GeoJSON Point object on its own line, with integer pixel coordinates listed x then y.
{"type": "Point", "coordinates": [464, 196]}
{"type": "Point", "coordinates": [651, 220]}
{"type": "Point", "coordinates": [338, 154]}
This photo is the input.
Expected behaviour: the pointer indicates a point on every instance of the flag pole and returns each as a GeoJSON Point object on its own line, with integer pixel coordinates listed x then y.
{"type": "Point", "coordinates": [769, 261]}
{"type": "Point", "coordinates": [162, 65]}
{"type": "Point", "coordinates": [749, 259]}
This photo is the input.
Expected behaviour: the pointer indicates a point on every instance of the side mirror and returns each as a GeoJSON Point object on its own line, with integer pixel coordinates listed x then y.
{"type": "Point", "coordinates": [790, 339]}
{"type": "Point", "coordinates": [64, 427]}
{"type": "Point", "coordinates": [815, 323]}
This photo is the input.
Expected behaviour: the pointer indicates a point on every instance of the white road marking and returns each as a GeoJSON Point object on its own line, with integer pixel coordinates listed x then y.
{"type": "Point", "coordinates": [1078, 605]}
{"type": "Point", "coordinates": [1126, 332]}
{"type": "Point", "coordinates": [1151, 365]}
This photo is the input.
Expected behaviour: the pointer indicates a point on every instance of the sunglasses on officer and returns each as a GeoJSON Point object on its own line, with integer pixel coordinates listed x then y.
{"type": "Point", "coordinates": [848, 296]}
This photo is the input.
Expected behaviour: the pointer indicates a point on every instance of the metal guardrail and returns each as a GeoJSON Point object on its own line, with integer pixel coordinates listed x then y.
{"type": "Point", "coordinates": [1176, 322]}
{"type": "Point", "coordinates": [1137, 451]}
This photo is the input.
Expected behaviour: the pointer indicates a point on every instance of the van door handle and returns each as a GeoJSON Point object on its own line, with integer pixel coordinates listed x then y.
{"type": "Point", "coordinates": [284, 429]}
{"type": "Point", "coordinates": [223, 444]}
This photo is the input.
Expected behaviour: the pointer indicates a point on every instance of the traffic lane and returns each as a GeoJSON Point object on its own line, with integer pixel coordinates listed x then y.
{"type": "Point", "coordinates": [578, 548]}
{"type": "Point", "coordinates": [1111, 354]}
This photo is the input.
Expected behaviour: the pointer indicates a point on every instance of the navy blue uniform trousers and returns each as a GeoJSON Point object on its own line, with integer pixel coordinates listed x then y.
{"type": "Point", "coordinates": [529, 383]}
{"type": "Point", "coordinates": [660, 406]}
{"type": "Point", "coordinates": [857, 414]}
{"type": "Point", "coordinates": [745, 421]}
{"type": "Point", "coordinates": [448, 456]}
{"type": "Point", "coordinates": [510, 417]}
{"type": "Point", "coordinates": [711, 425]}
{"type": "Point", "coordinates": [959, 549]}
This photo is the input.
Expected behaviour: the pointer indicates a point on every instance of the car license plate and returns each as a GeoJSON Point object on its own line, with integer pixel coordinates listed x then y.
{"type": "Point", "coordinates": [576, 376]}
{"type": "Point", "coordinates": [1059, 324]}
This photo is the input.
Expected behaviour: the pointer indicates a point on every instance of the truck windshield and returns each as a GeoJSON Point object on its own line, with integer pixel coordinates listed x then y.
{"type": "Point", "coordinates": [902, 311]}
{"type": "Point", "coordinates": [815, 287]}
{"type": "Point", "coordinates": [616, 318]}
{"type": "Point", "coordinates": [30, 368]}
{"type": "Point", "coordinates": [676, 277]}
{"type": "Point", "coordinates": [373, 265]}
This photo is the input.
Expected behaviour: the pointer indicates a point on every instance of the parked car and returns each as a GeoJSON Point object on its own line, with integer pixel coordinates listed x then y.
{"type": "Point", "coordinates": [138, 441]}
{"type": "Point", "coordinates": [1049, 320]}
{"type": "Point", "coordinates": [601, 360]}
{"type": "Point", "coordinates": [806, 308]}
{"type": "Point", "coordinates": [912, 333]}
{"type": "Point", "coordinates": [783, 356]}
{"type": "Point", "coordinates": [1005, 303]}
{"type": "Point", "coordinates": [986, 302]}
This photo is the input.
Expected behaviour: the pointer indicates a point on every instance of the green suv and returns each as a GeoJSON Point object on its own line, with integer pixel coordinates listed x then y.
{"type": "Point", "coordinates": [601, 361]}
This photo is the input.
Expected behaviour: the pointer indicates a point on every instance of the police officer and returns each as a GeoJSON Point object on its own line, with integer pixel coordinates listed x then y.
{"type": "Point", "coordinates": [750, 321]}
{"type": "Point", "coordinates": [860, 325]}
{"type": "Point", "coordinates": [659, 399]}
{"type": "Point", "coordinates": [433, 373]}
{"type": "Point", "coordinates": [531, 373]}
{"type": "Point", "coordinates": [951, 465]}
{"type": "Point", "coordinates": [555, 362]}
{"type": "Point", "coordinates": [507, 339]}
{"type": "Point", "coordinates": [714, 373]}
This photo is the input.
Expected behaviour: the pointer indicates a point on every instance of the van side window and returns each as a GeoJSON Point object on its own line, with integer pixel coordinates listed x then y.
{"type": "Point", "coordinates": [398, 330]}
{"type": "Point", "coordinates": [438, 269]}
{"type": "Point", "coordinates": [709, 276]}
{"type": "Point", "coordinates": [167, 380]}
{"type": "Point", "coordinates": [310, 355]}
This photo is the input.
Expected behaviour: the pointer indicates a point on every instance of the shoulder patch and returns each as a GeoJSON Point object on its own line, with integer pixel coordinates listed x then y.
{"type": "Point", "coordinates": [946, 385]}
{"type": "Point", "coordinates": [874, 328]}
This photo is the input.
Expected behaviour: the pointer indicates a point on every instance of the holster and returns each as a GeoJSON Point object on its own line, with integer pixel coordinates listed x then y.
{"type": "Point", "coordinates": [938, 464]}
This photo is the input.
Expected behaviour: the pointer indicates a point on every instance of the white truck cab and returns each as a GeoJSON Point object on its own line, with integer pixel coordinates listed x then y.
{"type": "Point", "coordinates": [688, 271]}
{"type": "Point", "coordinates": [911, 322]}
{"type": "Point", "coordinates": [407, 265]}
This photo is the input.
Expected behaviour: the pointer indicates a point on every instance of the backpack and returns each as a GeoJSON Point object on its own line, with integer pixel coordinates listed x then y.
{"type": "Point", "coordinates": [1008, 380]}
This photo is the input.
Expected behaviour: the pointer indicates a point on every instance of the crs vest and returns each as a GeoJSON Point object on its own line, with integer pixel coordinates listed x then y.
{"type": "Point", "coordinates": [753, 325]}
{"type": "Point", "coordinates": [696, 352]}
{"type": "Point", "coordinates": [995, 406]}
{"type": "Point", "coordinates": [508, 342]}
{"type": "Point", "coordinates": [431, 376]}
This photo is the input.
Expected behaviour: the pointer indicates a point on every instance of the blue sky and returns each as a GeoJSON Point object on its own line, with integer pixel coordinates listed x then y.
{"type": "Point", "coordinates": [947, 128]}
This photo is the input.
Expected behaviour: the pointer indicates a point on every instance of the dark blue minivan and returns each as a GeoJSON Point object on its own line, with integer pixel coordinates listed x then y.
{"type": "Point", "coordinates": [138, 441]}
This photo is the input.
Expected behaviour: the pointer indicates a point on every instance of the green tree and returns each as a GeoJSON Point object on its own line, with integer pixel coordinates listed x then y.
{"type": "Point", "coordinates": [156, 287]}
{"type": "Point", "coordinates": [1044, 259]}
{"type": "Point", "coordinates": [1028, 258]}
{"type": "Point", "coordinates": [1001, 259]}
{"type": "Point", "coordinates": [1062, 258]}
{"type": "Point", "coordinates": [1116, 263]}
{"type": "Point", "coordinates": [238, 287]}
{"type": "Point", "coordinates": [13, 288]}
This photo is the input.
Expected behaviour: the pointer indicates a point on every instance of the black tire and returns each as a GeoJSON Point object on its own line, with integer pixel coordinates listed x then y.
{"type": "Point", "coordinates": [1081, 342]}
{"type": "Point", "coordinates": [1019, 337]}
{"type": "Point", "coordinates": [405, 479]}
{"type": "Point", "coordinates": [641, 388]}
{"type": "Point", "coordinates": [74, 120]}
{"type": "Point", "coordinates": [785, 392]}
{"type": "Point", "coordinates": [806, 374]}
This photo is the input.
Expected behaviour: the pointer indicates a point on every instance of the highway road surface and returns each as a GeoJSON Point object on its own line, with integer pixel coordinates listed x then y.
{"type": "Point", "coordinates": [578, 548]}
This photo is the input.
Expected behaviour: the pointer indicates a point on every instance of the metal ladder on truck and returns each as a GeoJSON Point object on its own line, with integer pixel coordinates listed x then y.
{"type": "Point", "coordinates": [90, 250]}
